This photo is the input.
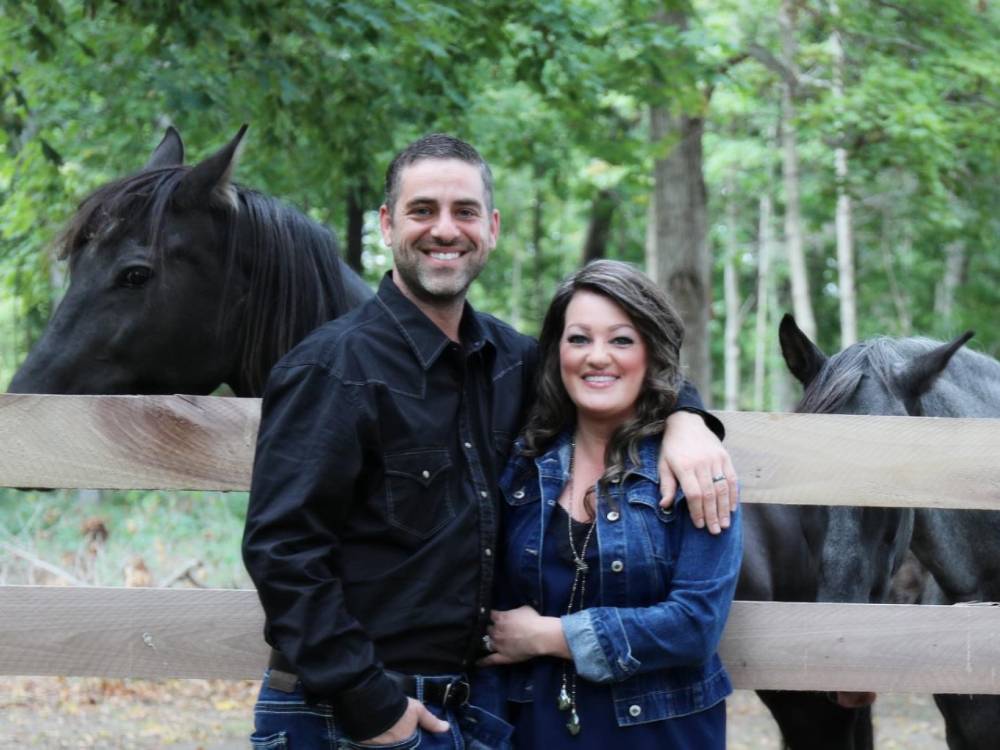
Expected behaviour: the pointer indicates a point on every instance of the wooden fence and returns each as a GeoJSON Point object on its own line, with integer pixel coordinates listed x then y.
{"type": "Point", "coordinates": [205, 443]}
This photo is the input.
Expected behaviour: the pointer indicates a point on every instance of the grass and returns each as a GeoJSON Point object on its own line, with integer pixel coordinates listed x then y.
{"type": "Point", "coordinates": [122, 538]}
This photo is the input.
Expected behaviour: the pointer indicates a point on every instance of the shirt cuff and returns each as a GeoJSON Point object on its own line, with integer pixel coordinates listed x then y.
{"type": "Point", "coordinates": [712, 422]}
{"type": "Point", "coordinates": [369, 708]}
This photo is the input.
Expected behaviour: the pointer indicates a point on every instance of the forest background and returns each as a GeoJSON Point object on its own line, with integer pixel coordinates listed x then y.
{"type": "Point", "coordinates": [836, 159]}
{"type": "Point", "coordinates": [832, 158]}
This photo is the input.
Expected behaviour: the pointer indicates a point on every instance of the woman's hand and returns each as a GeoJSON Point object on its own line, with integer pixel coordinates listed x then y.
{"type": "Point", "coordinates": [693, 456]}
{"type": "Point", "coordinates": [520, 634]}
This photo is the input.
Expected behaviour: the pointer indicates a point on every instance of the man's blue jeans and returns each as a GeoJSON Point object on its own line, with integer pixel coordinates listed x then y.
{"type": "Point", "coordinates": [286, 720]}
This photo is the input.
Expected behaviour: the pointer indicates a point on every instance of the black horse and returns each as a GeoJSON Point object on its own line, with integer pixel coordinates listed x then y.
{"type": "Point", "coordinates": [181, 280]}
{"type": "Point", "coordinates": [782, 549]}
{"type": "Point", "coordinates": [862, 547]}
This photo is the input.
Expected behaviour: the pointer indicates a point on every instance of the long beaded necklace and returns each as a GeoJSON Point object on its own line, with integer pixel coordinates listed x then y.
{"type": "Point", "coordinates": [567, 692]}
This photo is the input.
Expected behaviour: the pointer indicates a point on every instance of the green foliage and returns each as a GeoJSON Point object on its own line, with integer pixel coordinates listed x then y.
{"type": "Point", "coordinates": [555, 94]}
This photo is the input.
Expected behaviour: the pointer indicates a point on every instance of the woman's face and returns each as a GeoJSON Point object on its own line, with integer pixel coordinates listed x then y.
{"type": "Point", "coordinates": [602, 358]}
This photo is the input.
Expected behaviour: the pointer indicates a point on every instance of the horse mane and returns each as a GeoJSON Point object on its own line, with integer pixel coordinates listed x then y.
{"type": "Point", "coordinates": [290, 262]}
{"type": "Point", "coordinates": [975, 374]}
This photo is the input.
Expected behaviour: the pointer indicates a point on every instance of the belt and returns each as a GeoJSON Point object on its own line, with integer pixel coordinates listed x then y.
{"type": "Point", "coordinates": [451, 694]}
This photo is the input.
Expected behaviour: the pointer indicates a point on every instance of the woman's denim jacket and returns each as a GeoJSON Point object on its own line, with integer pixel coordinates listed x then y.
{"type": "Point", "coordinates": [665, 587]}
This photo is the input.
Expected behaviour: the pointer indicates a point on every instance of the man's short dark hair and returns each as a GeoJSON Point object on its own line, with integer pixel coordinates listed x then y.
{"type": "Point", "coordinates": [436, 146]}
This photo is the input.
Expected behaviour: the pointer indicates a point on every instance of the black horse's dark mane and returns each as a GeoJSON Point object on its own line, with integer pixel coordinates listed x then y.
{"type": "Point", "coordinates": [290, 261]}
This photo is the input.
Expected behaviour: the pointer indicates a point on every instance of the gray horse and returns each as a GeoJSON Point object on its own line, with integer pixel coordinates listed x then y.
{"type": "Point", "coordinates": [863, 547]}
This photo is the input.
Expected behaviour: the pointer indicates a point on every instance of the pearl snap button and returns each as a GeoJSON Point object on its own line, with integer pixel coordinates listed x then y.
{"type": "Point", "coordinates": [425, 474]}
{"type": "Point", "coordinates": [468, 445]}
{"type": "Point", "coordinates": [519, 494]}
{"type": "Point", "coordinates": [617, 566]}
{"type": "Point", "coordinates": [634, 710]}
{"type": "Point", "coordinates": [613, 515]}
{"type": "Point", "coordinates": [484, 493]}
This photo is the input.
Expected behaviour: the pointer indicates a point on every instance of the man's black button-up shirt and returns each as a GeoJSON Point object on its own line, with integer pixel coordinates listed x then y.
{"type": "Point", "coordinates": [372, 524]}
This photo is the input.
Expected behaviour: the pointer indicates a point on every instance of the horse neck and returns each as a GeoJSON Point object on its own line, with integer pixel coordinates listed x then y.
{"type": "Point", "coordinates": [286, 272]}
{"type": "Point", "coordinates": [969, 387]}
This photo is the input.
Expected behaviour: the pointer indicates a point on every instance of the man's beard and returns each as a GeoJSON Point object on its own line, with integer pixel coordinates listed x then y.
{"type": "Point", "coordinates": [439, 288]}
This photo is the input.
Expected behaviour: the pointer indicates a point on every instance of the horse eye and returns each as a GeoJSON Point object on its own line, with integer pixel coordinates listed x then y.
{"type": "Point", "coordinates": [134, 277]}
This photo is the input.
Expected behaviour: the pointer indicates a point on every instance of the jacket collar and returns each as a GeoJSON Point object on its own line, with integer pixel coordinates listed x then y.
{"type": "Point", "coordinates": [556, 458]}
{"type": "Point", "coordinates": [424, 338]}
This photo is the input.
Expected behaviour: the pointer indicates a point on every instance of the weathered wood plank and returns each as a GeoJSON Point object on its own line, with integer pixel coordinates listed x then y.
{"type": "Point", "coordinates": [127, 442]}
{"type": "Point", "coordinates": [887, 648]}
{"type": "Point", "coordinates": [188, 442]}
{"type": "Point", "coordinates": [159, 633]}
{"type": "Point", "coordinates": [131, 632]}
{"type": "Point", "coordinates": [837, 459]}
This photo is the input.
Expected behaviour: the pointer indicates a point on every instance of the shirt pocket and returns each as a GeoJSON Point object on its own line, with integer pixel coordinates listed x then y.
{"type": "Point", "coordinates": [418, 491]}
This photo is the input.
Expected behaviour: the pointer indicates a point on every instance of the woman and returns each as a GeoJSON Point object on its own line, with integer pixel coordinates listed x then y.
{"type": "Point", "coordinates": [617, 605]}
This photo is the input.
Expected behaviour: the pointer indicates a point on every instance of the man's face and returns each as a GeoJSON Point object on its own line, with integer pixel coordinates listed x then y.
{"type": "Point", "coordinates": [440, 231]}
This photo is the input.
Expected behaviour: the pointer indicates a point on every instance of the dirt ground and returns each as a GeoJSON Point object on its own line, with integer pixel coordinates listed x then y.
{"type": "Point", "coordinates": [96, 714]}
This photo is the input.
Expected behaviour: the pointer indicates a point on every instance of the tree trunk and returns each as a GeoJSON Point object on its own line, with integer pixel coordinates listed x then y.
{"type": "Point", "coordinates": [537, 233]}
{"type": "Point", "coordinates": [764, 287]}
{"type": "Point", "coordinates": [678, 238]}
{"type": "Point", "coordinates": [844, 223]}
{"type": "Point", "coordinates": [900, 300]}
{"type": "Point", "coordinates": [356, 195]}
{"type": "Point", "coordinates": [731, 290]}
{"type": "Point", "coordinates": [516, 285]}
{"type": "Point", "coordinates": [602, 212]}
{"type": "Point", "coordinates": [801, 301]}
{"type": "Point", "coordinates": [954, 275]}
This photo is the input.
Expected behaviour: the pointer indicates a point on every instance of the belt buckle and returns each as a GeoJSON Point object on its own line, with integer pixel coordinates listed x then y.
{"type": "Point", "coordinates": [456, 693]}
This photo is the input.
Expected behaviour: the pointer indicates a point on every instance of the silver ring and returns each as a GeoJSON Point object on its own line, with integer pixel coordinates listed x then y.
{"type": "Point", "coordinates": [488, 643]}
{"type": "Point", "coordinates": [719, 478]}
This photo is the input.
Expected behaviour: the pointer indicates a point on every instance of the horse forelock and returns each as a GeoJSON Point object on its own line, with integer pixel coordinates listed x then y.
{"type": "Point", "coordinates": [137, 200]}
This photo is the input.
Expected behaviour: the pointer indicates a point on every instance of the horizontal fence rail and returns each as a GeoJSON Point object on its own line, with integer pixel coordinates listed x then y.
{"type": "Point", "coordinates": [207, 443]}
{"type": "Point", "coordinates": [197, 633]}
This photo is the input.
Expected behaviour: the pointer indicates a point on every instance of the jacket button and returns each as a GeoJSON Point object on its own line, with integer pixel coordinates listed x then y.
{"type": "Point", "coordinates": [425, 474]}
{"type": "Point", "coordinates": [617, 566]}
{"type": "Point", "coordinates": [634, 710]}
{"type": "Point", "coordinates": [519, 494]}
{"type": "Point", "coordinates": [613, 515]}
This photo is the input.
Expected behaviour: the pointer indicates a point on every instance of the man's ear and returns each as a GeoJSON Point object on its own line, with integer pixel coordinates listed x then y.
{"type": "Point", "coordinates": [385, 224]}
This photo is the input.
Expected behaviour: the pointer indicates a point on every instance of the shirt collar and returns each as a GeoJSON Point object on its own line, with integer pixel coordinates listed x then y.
{"type": "Point", "coordinates": [424, 337]}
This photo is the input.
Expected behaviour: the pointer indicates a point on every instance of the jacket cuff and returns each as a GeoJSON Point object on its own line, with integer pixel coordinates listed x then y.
{"type": "Point", "coordinates": [598, 654]}
{"type": "Point", "coordinates": [369, 708]}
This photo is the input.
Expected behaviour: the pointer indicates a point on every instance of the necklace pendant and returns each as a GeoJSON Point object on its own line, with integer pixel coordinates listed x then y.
{"type": "Point", "coordinates": [563, 701]}
{"type": "Point", "coordinates": [573, 725]}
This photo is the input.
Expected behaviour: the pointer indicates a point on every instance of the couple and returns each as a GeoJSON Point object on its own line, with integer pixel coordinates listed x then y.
{"type": "Point", "coordinates": [388, 504]}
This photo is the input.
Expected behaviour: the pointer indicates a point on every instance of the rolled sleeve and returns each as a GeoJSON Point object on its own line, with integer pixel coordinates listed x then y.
{"type": "Point", "coordinates": [599, 645]}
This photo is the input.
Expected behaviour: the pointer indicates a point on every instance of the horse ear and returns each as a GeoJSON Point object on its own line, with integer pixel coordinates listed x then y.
{"type": "Point", "coordinates": [913, 378]}
{"type": "Point", "coordinates": [802, 356]}
{"type": "Point", "coordinates": [170, 152]}
{"type": "Point", "coordinates": [208, 181]}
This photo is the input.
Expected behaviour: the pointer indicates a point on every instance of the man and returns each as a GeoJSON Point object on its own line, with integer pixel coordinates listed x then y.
{"type": "Point", "coordinates": [372, 525]}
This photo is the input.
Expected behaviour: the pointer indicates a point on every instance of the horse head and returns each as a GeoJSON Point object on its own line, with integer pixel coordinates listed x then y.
{"type": "Point", "coordinates": [863, 546]}
{"type": "Point", "coordinates": [181, 280]}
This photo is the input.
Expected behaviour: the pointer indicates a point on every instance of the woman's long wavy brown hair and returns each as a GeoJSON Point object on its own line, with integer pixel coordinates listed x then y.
{"type": "Point", "coordinates": [661, 330]}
